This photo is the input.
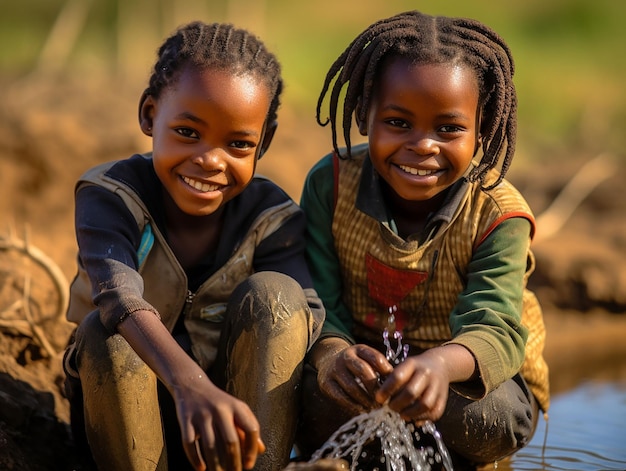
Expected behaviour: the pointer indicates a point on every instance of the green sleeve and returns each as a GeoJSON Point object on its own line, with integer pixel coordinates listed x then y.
{"type": "Point", "coordinates": [317, 202]}
{"type": "Point", "coordinates": [487, 316]}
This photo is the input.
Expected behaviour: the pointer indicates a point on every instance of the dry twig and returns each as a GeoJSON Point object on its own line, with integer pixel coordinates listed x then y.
{"type": "Point", "coordinates": [588, 177]}
{"type": "Point", "coordinates": [29, 326]}
{"type": "Point", "coordinates": [56, 275]}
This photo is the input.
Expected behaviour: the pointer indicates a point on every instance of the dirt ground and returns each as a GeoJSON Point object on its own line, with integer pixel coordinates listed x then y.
{"type": "Point", "coordinates": [51, 132]}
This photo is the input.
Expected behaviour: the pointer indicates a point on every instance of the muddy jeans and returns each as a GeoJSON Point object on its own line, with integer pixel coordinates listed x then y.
{"type": "Point", "coordinates": [126, 417]}
{"type": "Point", "coordinates": [474, 432]}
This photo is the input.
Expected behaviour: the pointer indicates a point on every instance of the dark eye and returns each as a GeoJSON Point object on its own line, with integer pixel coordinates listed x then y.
{"type": "Point", "coordinates": [450, 128]}
{"type": "Point", "coordinates": [243, 145]}
{"type": "Point", "coordinates": [187, 132]}
{"type": "Point", "coordinates": [397, 123]}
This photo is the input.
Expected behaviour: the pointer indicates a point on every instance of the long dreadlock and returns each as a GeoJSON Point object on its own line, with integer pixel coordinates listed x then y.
{"type": "Point", "coordinates": [425, 39]}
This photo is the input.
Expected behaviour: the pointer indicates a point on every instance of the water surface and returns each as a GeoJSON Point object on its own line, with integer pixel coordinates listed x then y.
{"type": "Point", "coordinates": [586, 431]}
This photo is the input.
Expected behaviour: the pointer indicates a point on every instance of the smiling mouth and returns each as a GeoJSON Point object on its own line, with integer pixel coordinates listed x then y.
{"type": "Point", "coordinates": [200, 186]}
{"type": "Point", "coordinates": [417, 171]}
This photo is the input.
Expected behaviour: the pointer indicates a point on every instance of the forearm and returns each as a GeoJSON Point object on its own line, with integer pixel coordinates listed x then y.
{"type": "Point", "coordinates": [487, 317]}
{"type": "Point", "coordinates": [456, 360]}
{"type": "Point", "coordinates": [154, 344]}
{"type": "Point", "coordinates": [325, 349]}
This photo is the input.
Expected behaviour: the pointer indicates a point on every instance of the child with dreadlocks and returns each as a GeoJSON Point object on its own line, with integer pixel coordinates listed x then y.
{"type": "Point", "coordinates": [192, 271]}
{"type": "Point", "coordinates": [417, 232]}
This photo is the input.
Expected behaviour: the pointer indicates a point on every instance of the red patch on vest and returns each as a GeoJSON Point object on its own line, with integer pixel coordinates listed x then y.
{"type": "Point", "coordinates": [388, 286]}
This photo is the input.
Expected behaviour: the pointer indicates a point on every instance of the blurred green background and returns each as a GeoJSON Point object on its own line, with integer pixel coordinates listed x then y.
{"type": "Point", "coordinates": [570, 54]}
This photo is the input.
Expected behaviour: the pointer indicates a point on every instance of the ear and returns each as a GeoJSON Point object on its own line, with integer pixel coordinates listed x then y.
{"type": "Point", "coordinates": [146, 112]}
{"type": "Point", "coordinates": [268, 135]}
{"type": "Point", "coordinates": [479, 128]}
{"type": "Point", "coordinates": [362, 124]}
{"type": "Point", "coordinates": [479, 143]}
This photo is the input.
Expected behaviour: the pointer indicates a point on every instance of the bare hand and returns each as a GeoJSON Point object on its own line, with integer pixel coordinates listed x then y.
{"type": "Point", "coordinates": [351, 377]}
{"type": "Point", "coordinates": [417, 389]}
{"type": "Point", "coordinates": [219, 432]}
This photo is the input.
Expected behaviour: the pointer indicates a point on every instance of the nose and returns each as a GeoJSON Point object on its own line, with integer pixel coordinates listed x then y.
{"type": "Point", "coordinates": [211, 158]}
{"type": "Point", "coordinates": [423, 144]}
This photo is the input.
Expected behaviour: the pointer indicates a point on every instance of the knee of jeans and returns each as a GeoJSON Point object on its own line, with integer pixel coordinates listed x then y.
{"type": "Point", "coordinates": [268, 297]}
{"type": "Point", "coordinates": [487, 430]}
{"type": "Point", "coordinates": [271, 283]}
{"type": "Point", "coordinates": [97, 349]}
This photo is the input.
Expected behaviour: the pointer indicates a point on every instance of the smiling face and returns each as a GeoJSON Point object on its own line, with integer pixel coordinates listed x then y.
{"type": "Point", "coordinates": [208, 131]}
{"type": "Point", "coordinates": [422, 125]}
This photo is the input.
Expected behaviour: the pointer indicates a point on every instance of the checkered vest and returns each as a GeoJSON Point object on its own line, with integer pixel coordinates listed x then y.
{"type": "Point", "coordinates": [421, 283]}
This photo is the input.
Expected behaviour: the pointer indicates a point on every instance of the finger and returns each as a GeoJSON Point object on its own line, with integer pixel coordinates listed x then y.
{"type": "Point", "coordinates": [402, 390]}
{"type": "Point", "coordinates": [386, 389]}
{"type": "Point", "coordinates": [252, 446]}
{"type": "Point", "coordinates": [430, 406]}
{"type": "Point", "coordinates": [402, 387]}
{"type": "Point", "coordinates": [362, 375]}
{"type": "Point", "coordinates": [190, 446]}
{"type": "Point", "coordinates": [360, 381]}
{"type": "Point", "coordinates": [338, 395]}
{"type": "Point", "coordinates": [372, 384]}
{"type": "Point", "coordinates": [229, 449]}
{"type": "Point", "coordinates": [375, 359]}
{"type": "Point", "coordinates": [262, 447]}
{"type": "Point", "coordinates": [353, 388]}
{"type": "Point", "coordinates": [209, 449]}
{"type": "Point", "coordinates": [371, 370]}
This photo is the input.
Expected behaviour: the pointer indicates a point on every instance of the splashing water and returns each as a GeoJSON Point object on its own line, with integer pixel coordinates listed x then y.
{"type": "Point", "coordinates": [400, 445]}
{"type": "Point", "coordinates": [402, 351]}
{"type": "Point", "coordinates": [397, 440]}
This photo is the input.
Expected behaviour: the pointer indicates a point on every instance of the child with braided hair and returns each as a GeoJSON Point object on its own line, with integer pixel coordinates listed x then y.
{"type": "Point", "coordinates": [194, 304]}
{"type": "Point", "coordinates": [420, 223]}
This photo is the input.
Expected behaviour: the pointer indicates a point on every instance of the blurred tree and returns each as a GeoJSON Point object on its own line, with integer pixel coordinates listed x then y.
{"type": "Point", "coordinates": [62, 38]}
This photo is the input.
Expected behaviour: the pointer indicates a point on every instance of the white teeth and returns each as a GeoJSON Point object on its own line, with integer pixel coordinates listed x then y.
{"type": "Point", "coordinates": [204, 187]}
{"type": "Point", "coordinates": [416, 171]}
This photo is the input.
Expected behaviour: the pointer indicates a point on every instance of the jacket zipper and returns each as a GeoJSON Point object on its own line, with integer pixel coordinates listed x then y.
{"type": "Point", "coordinates": [188, 302]}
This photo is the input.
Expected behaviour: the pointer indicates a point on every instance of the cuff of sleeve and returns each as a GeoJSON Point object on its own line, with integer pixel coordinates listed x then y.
{"type": "Point", "coordinates": [328, 333]}
{"type": "Point", "coordinates": [490, 372]}
{"type": "Point", "coordinates": [113, 318]}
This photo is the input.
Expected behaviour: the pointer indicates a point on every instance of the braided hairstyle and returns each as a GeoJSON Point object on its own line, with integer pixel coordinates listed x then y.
{"type": "Point", "coordinates": [221, 46]}
{"type": "Point", "coordinates": [425, 39]}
